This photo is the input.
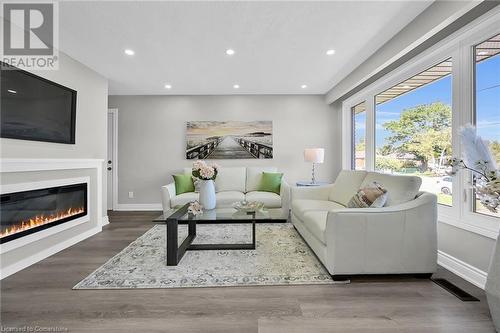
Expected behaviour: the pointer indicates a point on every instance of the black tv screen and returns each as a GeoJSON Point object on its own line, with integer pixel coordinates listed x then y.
{"type": "Point", "coordinates": [34, 108]}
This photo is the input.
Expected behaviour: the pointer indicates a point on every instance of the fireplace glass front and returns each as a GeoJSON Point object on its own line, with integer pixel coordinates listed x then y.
{"type": "Point", "coordinates": [27, 212]}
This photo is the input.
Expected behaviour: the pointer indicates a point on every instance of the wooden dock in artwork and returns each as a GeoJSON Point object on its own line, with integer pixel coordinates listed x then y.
{"type": "Point", "coordinates": [229, 147]}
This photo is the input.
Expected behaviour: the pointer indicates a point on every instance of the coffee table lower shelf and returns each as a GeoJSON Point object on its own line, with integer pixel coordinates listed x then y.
{"type": "Point", "coordinates": [175, 252]}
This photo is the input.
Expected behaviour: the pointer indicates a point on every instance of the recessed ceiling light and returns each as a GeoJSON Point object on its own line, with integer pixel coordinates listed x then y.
{"type": "Point", "coordinates": [168, 86]}
{"type": "Point", "coordinates": [229, 51]}
{"type": "Point", "coordinates": [12, 91]}
{"type": "Point", "coordinates": [330, 52]}
{"type": "Point", "coordinates": [304, 86]}
{"type": "Point", "coordinates": [482, 53]}
{"type": "Point", "coordinates": [236, 86]}
{"type": "Point", "coordinates": [129, 52]}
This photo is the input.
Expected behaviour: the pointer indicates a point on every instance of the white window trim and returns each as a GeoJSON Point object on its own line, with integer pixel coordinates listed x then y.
{"type": "Point", "coordinates": [457, 46]}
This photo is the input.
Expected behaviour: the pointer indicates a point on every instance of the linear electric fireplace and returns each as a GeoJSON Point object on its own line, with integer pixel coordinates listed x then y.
{"type": "Point", "coordinates": [27, 212]}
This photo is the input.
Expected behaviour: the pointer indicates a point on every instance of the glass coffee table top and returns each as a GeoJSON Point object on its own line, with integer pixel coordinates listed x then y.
{"type": "Point", "coordinates": [223, 214]}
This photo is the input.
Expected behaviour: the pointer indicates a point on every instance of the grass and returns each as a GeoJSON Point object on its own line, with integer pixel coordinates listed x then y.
{"type": "Point", "coordinates": [444, 199]}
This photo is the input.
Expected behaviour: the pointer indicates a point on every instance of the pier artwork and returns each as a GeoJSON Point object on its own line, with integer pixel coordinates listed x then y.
{"type": "Point", "coordinates": [229, 140]}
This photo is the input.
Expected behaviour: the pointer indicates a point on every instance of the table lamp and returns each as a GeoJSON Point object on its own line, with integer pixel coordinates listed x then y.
{"type": "Point", "coordinates": [314, 155]}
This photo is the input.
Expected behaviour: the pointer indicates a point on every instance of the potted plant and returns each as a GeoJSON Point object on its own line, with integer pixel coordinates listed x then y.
{"type": "Point", "coordinates": [205, 175]}
{"type": "Point", "coordinates": [477, 158]}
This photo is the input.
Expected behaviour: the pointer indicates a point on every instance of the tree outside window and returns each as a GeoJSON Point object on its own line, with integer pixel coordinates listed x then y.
{"type": "Point", "coordinates": [414, 129]}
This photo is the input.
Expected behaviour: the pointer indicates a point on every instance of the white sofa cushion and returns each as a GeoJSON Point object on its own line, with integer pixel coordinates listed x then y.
{"type": "Point", "coordinates": [230, 179]}
{"type": "Point", "coordinates": [315, 222]}
{"type": "Point", "coordinates": [182, 199]}
{"type": "Point", "coordinates": [254, 176]}
{"type": "Point", "coordinates": [227, 198]}
{"type": "Point", "coordinates": [270, 200]}
{"type": "Point", "coordinates": [301, 206]}
{"type": "Point", "coordinates": [346, 185]}
{"type": "Point", "coordinates": [400, 189]}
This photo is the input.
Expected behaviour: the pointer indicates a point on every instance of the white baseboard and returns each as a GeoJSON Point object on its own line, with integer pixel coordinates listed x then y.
{"type": "Point", "coordinates": [467, 272]}
{"type": "Point", "coordinates": [139, 207]}
{"type": "Point", "coordinates": [22, 264]}
{"type": "Point", "coordinates": [105, 220]}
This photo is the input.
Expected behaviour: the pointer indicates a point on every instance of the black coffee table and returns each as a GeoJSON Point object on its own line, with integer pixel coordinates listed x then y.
{"type": "Point", "coordinates": [177, 216]}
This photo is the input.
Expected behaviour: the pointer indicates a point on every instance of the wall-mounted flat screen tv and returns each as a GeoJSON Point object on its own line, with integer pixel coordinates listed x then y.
{"type": "Point", "coordinates": [34, 108]}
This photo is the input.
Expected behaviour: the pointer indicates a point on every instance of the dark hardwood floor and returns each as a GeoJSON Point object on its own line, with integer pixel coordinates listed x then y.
{"type": "Point", "coordinates": [41, 295]}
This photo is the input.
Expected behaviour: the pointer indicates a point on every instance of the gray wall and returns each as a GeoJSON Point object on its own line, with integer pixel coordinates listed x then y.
{"type": "Point", "coordinates": [91, 138]}
{"type": "Point", "coordinates": [91, 116]}
{"type": "Point", "coordinates": [152, 129]}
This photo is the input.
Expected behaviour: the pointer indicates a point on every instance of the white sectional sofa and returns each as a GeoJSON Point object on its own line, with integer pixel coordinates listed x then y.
{"type": "Point", "coordinates": [399, 238]}
{"type": "Point", "coordinates": [231, 185]}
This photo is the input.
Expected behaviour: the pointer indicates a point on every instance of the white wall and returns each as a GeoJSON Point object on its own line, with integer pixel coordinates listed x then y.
{"type": "Point", "coordinates": [469, 247]}
{"type": "Point", "coordinates": [152, 129]}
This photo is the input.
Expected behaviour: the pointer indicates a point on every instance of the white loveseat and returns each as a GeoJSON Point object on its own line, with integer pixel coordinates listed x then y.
{"type": "Point", "coordinates": [399, 238]}
{"type": "Point", "coordinates": [233, 184]}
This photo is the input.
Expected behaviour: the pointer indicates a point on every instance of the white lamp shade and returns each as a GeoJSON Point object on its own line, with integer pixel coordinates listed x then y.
{"type": "Point", "coordinates": [314, 155]}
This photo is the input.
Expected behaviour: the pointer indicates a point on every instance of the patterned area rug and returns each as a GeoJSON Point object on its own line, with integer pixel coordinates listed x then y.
{"type": "Point", "coordinates": [281, 258]}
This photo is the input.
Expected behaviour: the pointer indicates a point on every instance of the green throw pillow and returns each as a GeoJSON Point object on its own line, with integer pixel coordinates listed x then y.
{"type": "Point", "coordinates": [270, 182]}
{"type": "Point", "coordinates": [183, 184]}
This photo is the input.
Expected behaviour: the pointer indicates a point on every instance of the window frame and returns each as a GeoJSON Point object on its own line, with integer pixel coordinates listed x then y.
{"type": "Point", "coordinates": [474, 113]}
{"type": "Point", "coordinates": [353, 137]}
{"type": "Point", "coordinates": [460, 48]}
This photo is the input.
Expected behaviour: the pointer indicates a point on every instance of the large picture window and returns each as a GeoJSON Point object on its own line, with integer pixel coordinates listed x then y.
{"type": "Point", "coordinates": [411, 118]}
{"type": "Point", "coordinates": [413, 129]}
{"type": "Point", "coordinates": [359, 136]}
{"type": "Point", "coordinates": [487, 100]}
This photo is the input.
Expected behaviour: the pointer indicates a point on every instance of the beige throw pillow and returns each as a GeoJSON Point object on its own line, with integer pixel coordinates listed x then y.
{"type": "Point", "coordinates": [371, 196]}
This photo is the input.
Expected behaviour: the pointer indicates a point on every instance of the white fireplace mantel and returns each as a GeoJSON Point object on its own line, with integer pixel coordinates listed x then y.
{"type": "Point", "coordinates": [46, 164]}
{"type": "Point", "coordinates": [40, 164]}
{"type": "Point", "coordinates": [16, 165]}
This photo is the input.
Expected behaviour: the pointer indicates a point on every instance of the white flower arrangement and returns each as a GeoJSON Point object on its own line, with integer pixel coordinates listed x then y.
{"type": "Point", "coordinates": [203, 171]}
{"type": "Point", "coordinates": [195, 208]}
{"type": "Point", "coordinates": [478, 158]}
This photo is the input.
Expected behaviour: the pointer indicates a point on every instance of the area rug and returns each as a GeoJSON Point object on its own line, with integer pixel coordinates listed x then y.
{"type": "Point", "coordinates": [281, 258]}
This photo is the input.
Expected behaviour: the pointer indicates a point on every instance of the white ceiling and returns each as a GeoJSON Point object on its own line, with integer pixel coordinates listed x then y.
{"type": "Point", "coordinates": [279, 45]}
